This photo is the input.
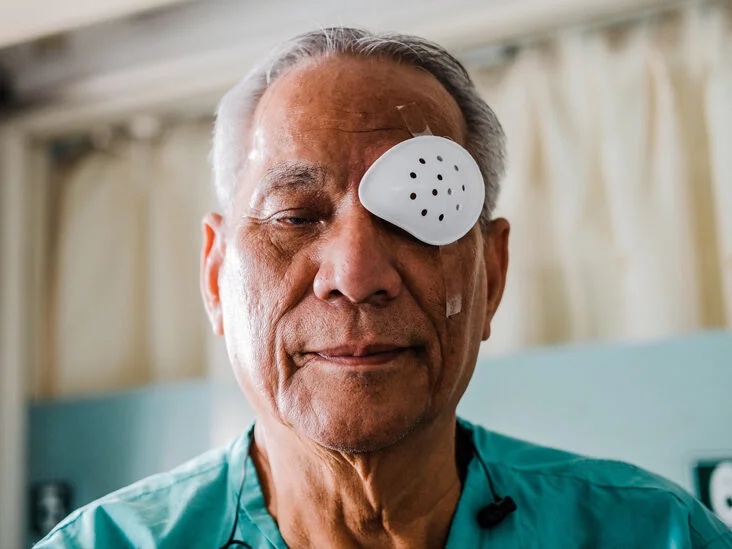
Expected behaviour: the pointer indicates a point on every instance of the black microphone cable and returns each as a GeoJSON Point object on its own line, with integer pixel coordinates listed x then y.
{"type": "Point", "coordinates": [231, 542]}
{"type": "Point", "coordinates": [494, 513]}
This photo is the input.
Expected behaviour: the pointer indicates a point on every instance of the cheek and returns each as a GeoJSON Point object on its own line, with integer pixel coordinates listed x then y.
{"type": "Point", "coordinates": [259, 285]}
{"type": "Point", "coordinates": [472, 286]}
{"type": "Point", "coordinates": [463, 332]}
{"type": "Point", "coordinates": [474, 308]}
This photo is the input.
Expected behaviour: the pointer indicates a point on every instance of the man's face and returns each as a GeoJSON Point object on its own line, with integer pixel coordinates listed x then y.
{"type": "Point", "coordinates": [334, 319]}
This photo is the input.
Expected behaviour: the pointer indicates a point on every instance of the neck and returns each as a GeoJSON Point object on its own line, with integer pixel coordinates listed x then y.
{"type": "Point", "coordinates": [401, 496]}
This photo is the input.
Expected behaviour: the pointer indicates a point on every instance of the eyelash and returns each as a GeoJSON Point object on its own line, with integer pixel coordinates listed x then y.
{"type": "Point", "coordinates": [298, 220]}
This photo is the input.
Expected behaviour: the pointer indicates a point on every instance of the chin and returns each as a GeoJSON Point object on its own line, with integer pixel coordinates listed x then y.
{"type": "Point", "coordinates": [357, 433]}
{"type": "Point", "coordinates": [358, 413]}
{"type": "Point", "coordinates": [362, 441]}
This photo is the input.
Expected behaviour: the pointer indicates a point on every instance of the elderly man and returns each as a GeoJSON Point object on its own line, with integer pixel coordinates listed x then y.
{"type": "Point", "coordinates": [354, 270]}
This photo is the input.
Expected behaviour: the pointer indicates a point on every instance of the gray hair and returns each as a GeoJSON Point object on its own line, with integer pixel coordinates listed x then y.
{"type": "Point", "coordinates": [485, 137]}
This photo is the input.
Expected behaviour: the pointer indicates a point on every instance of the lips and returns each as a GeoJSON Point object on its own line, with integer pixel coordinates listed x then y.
{"type": "Point", "coordinates": [368, 355]}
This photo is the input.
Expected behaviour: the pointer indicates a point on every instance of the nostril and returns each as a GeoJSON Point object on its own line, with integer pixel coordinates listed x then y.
{"type": "Point", "coordinates": [334, 293]}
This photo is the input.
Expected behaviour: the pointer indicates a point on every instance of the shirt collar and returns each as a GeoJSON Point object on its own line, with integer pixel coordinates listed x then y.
{"type": "Point", "coordinates": [247, 494]}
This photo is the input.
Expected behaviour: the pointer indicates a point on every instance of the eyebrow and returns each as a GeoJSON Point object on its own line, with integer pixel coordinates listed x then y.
{"type": "Point", "coordinates": [292, 176]}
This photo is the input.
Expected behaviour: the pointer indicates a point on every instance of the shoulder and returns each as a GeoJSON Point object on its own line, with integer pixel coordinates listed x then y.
{"type": "Point", "coordinates": [528, 459]}
{"type": "Point", "coordinates": [598, 487]}
{"type": "Point", "coordinates": [153, 509]}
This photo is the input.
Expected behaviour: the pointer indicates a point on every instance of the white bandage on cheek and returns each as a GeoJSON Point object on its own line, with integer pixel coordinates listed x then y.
{"type": "Point", "coordinates": [432, 188]}
{"type": "Point", "coordinates": [449, 259]}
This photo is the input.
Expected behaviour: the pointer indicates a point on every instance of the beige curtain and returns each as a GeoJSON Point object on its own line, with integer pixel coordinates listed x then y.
{"type": "Point", "coordinates": [619, 189]}
{"type": "Point", "coordinates": [619, 182]}
{"type": "Point", "coordinates": [124, 305]}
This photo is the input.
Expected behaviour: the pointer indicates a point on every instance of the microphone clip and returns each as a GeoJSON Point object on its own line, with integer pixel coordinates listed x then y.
{"type": "Point", "coordinates": [493, 514]}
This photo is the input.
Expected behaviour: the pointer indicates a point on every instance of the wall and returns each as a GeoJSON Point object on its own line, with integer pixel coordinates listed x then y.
{"type": "Point", "coordinates": [103, 443]}
{"type": "Point", "coordinates": [660, 405]}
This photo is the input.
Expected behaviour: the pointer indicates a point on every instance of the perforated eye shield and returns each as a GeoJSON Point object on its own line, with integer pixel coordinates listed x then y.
{"type": "Point", "coordinates": [429, 186]}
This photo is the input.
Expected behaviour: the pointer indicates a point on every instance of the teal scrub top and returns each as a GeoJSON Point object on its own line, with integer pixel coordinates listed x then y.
{"type": "Point", "coordinates": [564, 501]}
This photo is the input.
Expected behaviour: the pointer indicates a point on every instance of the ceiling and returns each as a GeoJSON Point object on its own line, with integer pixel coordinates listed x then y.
{"type": "Point", "coordinates": [84, 57]}
{"type": "Point", "coordinates": [25, 20]}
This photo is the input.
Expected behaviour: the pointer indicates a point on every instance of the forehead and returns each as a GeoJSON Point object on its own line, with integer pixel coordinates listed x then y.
{"type": "Point", "coordinates": [353, 95]}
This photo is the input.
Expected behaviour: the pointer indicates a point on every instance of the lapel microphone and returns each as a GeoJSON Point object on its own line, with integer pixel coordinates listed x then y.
{"type": "Point", "coordinates": [494, 513]}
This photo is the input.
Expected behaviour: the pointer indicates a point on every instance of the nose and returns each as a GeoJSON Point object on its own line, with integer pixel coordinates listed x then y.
{"type": "Point", "coordinates": [357, 262]}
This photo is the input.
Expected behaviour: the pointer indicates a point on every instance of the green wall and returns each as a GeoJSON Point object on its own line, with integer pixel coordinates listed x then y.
{"type": "Point", "coordinates": [103, 443]}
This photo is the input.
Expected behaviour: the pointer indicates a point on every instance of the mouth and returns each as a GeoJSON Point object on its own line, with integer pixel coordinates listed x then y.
{"type": "Point", "coordinates": [362, 356]}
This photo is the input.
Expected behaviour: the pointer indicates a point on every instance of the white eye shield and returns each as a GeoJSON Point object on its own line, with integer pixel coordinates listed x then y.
{"type": "Point", "coordinates": [427, 185]}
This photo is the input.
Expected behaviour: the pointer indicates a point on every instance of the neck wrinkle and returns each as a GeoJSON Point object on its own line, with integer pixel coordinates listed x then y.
{"type": "Point", "coordinates": [402, 496]}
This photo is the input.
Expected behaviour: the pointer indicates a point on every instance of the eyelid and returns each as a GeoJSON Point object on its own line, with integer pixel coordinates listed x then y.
{"type": "Point", "coordinates": [309, 215]}
{"type": "Point", "coordinates": [400, 233]}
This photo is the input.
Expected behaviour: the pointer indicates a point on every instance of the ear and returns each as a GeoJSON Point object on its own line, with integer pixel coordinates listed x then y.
{"type": "Point", "coordinates": [212, 256]}
{"type": "Point", "coordinates": [495, 255]}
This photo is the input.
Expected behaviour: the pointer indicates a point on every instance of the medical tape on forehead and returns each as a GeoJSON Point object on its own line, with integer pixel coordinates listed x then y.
{"type": "Point", "coordinates": [413, 120]}
{"type": "Point", "coordinates": [432, 188]}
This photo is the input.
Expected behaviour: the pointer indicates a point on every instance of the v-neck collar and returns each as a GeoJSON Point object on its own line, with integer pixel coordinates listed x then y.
{"type": "Point", "coordinates": [464, 531]}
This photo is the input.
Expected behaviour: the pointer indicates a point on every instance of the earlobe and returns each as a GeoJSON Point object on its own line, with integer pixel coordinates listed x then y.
{"type": "Point", "coordinates": [212, 256]}
{"type": "Point", "coordinates": [495, 255]}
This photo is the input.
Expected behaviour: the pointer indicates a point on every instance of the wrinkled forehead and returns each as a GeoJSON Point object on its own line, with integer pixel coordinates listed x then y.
{"type": "Point", "coordinates": [353, 95]}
